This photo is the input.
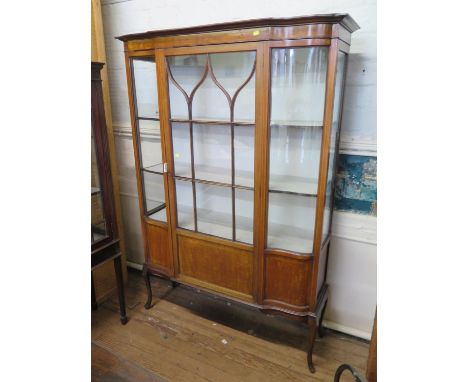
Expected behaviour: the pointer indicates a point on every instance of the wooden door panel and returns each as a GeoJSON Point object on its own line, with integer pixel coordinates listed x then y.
{"type": "Point", "coordinates": [217, 265]}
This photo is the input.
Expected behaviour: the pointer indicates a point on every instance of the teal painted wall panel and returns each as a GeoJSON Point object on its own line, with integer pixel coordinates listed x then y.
{"type": "Point", "coordinates": [356, 184]}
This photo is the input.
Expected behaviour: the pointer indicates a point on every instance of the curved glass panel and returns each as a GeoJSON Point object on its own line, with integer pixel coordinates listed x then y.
{"type": "Point", "coordinates": [339, 83]}
{"type": "Point", "coordinates": [298, 79]}
{"type": "Point", "coordinates": [149, 136]}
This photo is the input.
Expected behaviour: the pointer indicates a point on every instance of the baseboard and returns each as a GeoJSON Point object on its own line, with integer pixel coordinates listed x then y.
{"type": "Point", "coordinates": [133, 265]}
{"type": "Point", "coordinates": [347, 330]}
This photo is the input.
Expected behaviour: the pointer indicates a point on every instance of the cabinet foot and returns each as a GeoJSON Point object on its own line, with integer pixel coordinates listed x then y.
{"type": "Point", "coordinates": [312, 335]}
{"type": "Point", "coordinates": [146, 276]}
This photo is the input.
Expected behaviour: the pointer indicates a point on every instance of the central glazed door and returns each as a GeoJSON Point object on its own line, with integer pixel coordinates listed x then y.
{"type": "Point", "coordinates": [211, 127]}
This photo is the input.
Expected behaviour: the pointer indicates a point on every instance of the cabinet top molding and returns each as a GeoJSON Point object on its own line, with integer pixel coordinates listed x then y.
{"type": "Point", "coordinates": [343, 19]}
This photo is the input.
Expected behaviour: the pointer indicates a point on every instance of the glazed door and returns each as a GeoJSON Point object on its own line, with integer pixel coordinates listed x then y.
{"type": "Point", "coordinates": [211, 93]}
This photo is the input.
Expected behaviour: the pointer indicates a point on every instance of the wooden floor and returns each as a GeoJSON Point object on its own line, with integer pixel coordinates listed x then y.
{"type": "Point", "coordinates": [190, 336]}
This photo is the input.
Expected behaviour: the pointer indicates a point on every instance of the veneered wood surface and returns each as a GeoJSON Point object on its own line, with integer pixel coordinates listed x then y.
{"type": "Point", "coordinates": [343, 19]}
{"type": "Point", "coordinates": [216, 264]}
{"type": "Point", "coordinates": [158, 249]}
{"type": "Point", "coordinates": [180, 339]}
{"type": "Point", "coordinates": [286, 279]}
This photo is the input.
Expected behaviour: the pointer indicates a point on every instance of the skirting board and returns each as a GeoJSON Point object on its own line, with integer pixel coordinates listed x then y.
{"type": "Point", "coordinates": [138, 267]}
{"type": "Point", "coordinates": [347, 330]}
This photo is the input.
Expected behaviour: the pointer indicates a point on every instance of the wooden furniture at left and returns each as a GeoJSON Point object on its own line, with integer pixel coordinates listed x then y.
{"type": "Point", "coordinates": [105, 243]}
{"type": "Point", "coordinates": [104, 275]}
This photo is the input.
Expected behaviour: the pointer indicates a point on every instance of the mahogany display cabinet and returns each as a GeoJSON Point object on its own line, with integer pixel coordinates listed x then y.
{"type": "Point", "coordinates": [236, 130]}
{"type": "Point", "coordinates": [105, 242]}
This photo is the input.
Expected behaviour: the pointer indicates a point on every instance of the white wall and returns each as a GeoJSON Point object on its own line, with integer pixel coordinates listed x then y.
{"type": "Point", "coordinates": [352, 271]}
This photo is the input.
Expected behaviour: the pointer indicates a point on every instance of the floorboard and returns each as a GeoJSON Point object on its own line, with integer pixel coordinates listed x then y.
{"type": "Point", "coordinates": [188, 335]}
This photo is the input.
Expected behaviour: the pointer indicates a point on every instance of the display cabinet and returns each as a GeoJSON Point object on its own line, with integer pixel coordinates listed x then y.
{"type": "Point", "coordinates": [236, 130]}
{"type": "Point", "coordinates": [105, 242]}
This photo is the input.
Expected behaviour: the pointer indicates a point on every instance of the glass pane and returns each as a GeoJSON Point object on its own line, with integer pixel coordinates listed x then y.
{"type": "Point", "coordinates": [150, 144]}
{"type": "Point", "coordinates": [210, 103]}
{"type": "Point", "coordinates": [187, 71]}
{"type": "Point", "coordinates": [149, 136]}
{"type": "Point", "coordinates": [214, 93]}
{"type": "Point", "coordinates": [181, 149]}
{"type": "Point", "coordinates": [146, 93]}
{"type": "Point", "coordinates": [184, 196]}
{"type": "Point", "coordinates": [244, 143]}
{"type": "Point", "coordinates": [154, 195]}
{"type": "Point", "coordinates": [232, 70]}
{"type": "Point", "coordinates": [214, 210]}
{"type": "Point", "coordinates": [212, 152]}
{"type": "Point", "coordinates": [98, 221]}
{"type": "Point", "coordinates": [294, 158]}
{"type": "Point", "coordinates": [291, 222]}
{"type": "Point", "coordinates": [298, 78]}
{"type": "Point", "coordinates": [244, 215]}
{"type": "Point", "coordinates": [339, 83]}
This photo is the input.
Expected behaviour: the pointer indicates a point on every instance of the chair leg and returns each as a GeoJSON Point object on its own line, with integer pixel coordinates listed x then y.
{"type": "Point", "coordinates": [93, 294]}
{"type": "Point", "coordinates": [120, 289]}
{"type": "Point", "coordinates": [146, 276]}
{"type": "Point", "coordinates": [312, 335]}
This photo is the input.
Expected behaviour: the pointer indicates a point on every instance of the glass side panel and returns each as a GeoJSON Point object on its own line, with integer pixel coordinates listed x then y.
{"type": "Point", "coordinates": [295, 158]}
{"type": "Point", "coordinates": [98, 221]}
{"type": "Point", "coordinates": [154, 194]}
{"type": "Point", "coordinates": [339, 83]}
{"type": "Point", "coordinates": [298, 78]}
{"type": "Point", "coordinates": [150, 143]}
{"type": "Point", "coordinates": [212, 109]}
{"type": "Point", "coordinates": [291, 222]}
{"type": "Point", "coordinates": [146, 93]}
{"type": "Point", "coordinates": [149, 136]}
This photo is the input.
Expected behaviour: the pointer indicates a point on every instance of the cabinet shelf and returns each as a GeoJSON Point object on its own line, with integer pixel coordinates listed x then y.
{"type": "Point", "coordinates": [95, 190]}
{"type": "Point", "coordinates": [213, 122]}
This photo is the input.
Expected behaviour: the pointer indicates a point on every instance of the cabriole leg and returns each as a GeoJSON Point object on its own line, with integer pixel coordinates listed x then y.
{"type": "Point", "coordinates": [312, 335]}
{"type": "Point", "coordinates": [146, 276]}
{"type": "Point", "coordinates": [120, 289]}
{"type": "Point", "coordinates": [320, 328]}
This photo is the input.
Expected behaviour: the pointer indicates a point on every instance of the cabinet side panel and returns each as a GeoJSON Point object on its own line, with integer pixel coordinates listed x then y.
{"type": "Point", "coordinates": [286, 279]}
{"type": "Point", "coordinates": [216, 264]}
{"type": "Point", "coordinates": [159, 256]}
